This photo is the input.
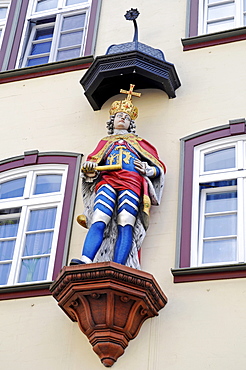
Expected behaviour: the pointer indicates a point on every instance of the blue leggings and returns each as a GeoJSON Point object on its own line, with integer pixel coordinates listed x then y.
{"type": "Point", "coordinates": [127, 209]}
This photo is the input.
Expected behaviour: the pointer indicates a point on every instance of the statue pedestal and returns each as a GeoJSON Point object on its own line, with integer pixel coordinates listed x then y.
{"type": "Point", "coordinates": [110, 302]}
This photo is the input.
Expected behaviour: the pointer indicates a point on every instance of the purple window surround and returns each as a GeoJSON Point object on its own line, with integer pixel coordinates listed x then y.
{"type": "Point", "coordinates": [8, 28]}
{"type": "Point", "coordinates": [236, 127]}
{"type": "Point", "coordinates": [95, 8]}
{"type": "Point", "coordinates": [193, 18]}
{"type": "Point", "coordinates": [18, 34]}
{"type": "Point", "coordinates": [32, 158]}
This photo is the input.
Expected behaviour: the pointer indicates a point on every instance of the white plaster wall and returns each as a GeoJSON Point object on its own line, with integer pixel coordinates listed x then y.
{"type": "Point", "coordinates": [203, 325]}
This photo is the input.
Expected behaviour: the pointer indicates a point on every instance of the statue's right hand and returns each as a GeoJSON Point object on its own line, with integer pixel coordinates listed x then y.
{"type": "Point", "coordinates": [88, 169]}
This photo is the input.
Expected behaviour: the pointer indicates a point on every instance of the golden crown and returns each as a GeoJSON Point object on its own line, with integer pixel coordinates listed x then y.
{"type": "Point", "coordinates": [126, 105]}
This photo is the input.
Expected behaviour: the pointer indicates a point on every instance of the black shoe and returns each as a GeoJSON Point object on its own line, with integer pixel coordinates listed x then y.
{"type": "Point", "coordinates": [76, 261]}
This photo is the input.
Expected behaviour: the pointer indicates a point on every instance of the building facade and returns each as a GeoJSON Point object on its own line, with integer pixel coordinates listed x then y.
{"type": "Point", "coordinates": [195, 244]}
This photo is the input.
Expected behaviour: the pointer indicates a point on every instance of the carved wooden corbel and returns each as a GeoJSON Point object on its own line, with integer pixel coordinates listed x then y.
{"type": "Point", "coordinates": [110, 302]}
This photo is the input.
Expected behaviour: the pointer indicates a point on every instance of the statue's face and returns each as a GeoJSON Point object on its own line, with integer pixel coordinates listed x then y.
{"type": "Point", "coordinates": [122, 121]}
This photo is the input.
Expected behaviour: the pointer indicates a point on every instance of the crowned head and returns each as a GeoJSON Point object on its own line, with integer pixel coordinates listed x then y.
{"type": "Point", "coordinates": [126, 105]}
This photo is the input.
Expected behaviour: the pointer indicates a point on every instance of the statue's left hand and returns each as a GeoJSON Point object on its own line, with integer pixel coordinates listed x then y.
{"type": "Point", "coordinates": [140, 166]}
{"type": "Point", "coordinates": [144, 168]}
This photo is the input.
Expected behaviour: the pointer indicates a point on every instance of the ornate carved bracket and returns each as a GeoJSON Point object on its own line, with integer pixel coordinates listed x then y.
{"type": "Point", "coordinates": [110, 302]}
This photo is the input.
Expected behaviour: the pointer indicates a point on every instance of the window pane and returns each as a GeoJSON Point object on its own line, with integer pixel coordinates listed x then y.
{"type": "Point", "coordinates": [220, 1]}
{"type": "Point", "coordinates": [7, 250]}
{"type": "Point", "coordinates": [71, 2]}
{"type": "Point", "coordinates": [42, 219]}
{"type": "Point", "coordinates": [70, 39]}
{"type": "Point", "coordinates": [221, 202]}
{"type": "Point", "coordinates": [39, 243]}
{"type": "Point", "coordinates": [220, 26]}
{"type": "Point", "coordinates": [42, 48]}
{"type": "Point", "coordinates": [8, 232]}
{"type": "Point", "coordinates": [68, 54]}
{"type": "Point", "coordinates": [244, 5]}
{"type": "Point", "coordinates": [3, 12]}
{"type": "Point", "coordinates": [46, 5]}
{"type": "Point", "coordinates": [221, 159]}
{"type": "Point", "coordinates": [47, 184]}
{"type": "Point", "coordinates": [44, 33]}
{"type": "Point", "coordinates": [8, 228]}
{"type": "Point", "coordinates": [12, 189]}
{"type": "Point", "coordinates": [38, 48]}
{"type": "Point", "coordinates": [37, 61]}
{"type": "Point", "coordinates": [73, 22]}
{"type": "Point", "coordinates": [219, 251]}
{"type": "Point", "coordinates": [34, 269]}
{"type": "Point", "coordinates": [216, 184]}
{"type": "Point", "coordinates": [222, 225]}
{"type": "Point", "coordinates": [221, 11]}
{"type": "Point", "coordinates": [4, 273]}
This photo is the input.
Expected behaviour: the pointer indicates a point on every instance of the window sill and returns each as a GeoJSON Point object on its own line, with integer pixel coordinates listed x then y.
{"type": "Point", "coordinates": [46, 69]}
{"type": "Point", "coordinates": [24, 291]}
{"type": "Point", "coordinates": [190, 274]}
{"type": "Point", "coordinates": [212, 39]}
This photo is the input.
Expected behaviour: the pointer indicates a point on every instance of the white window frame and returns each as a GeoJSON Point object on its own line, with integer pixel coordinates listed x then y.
{"type": "Point", "coordinates": [203, 15]}
{"type": "Point", "coordinates": [59, 13]}
{"type": "Point", "coordinates": [29, 202]}
{"type": "Point", "coordinates": [3, 4]}
{"type": "Point", "coordinates": [202, 216]}
{"type": "Point", "coordinates": [200, 177]}
{"type": "Point", "coordinates": [32, 35]}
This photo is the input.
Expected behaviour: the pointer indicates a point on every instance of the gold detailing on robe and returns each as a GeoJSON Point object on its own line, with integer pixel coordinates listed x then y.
{"type": "Point", "coordinates": [146, 204]}
{"type": "Point", "coordinates": [133, 140]}
{"type": "Point", "coordinates": [127, 157]}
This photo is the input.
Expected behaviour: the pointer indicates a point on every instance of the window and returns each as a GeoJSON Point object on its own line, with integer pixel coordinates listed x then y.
{"type": "Point", "coordinates": [220, 15]}
{"type": "Point", "coordinates": [30, 210]}
{"type": "Point", "coordinates": [217, 211]}
{"type": "Point", "coordinates": [213, 22]}
{"type": "Point", "coordinates": [36, 201]}
{"type": "Point", "coordinates": [38, 32]}
{"type": "Point", "coordinates": [57, 30]}
{"type": "Point", "coordinates": [212, 237]}
{"type": "Point", "coordinates": [4, 9]}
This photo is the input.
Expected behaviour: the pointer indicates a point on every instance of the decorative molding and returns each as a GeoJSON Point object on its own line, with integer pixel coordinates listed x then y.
{"type": "Point", "coordinates": [110, 302]}
{"type": "Point", "coordinates": [24, 291]}
{"type": "Point", "coordinates": [192, 274]}
{"type": "Point", "coordinates": [212, 39]}
{"type": "Point", "coordinates": [46, 69]}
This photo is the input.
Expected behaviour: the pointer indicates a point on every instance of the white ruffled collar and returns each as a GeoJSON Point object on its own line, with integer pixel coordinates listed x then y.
{"type": "Point", "coordinates": [120, 132]}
